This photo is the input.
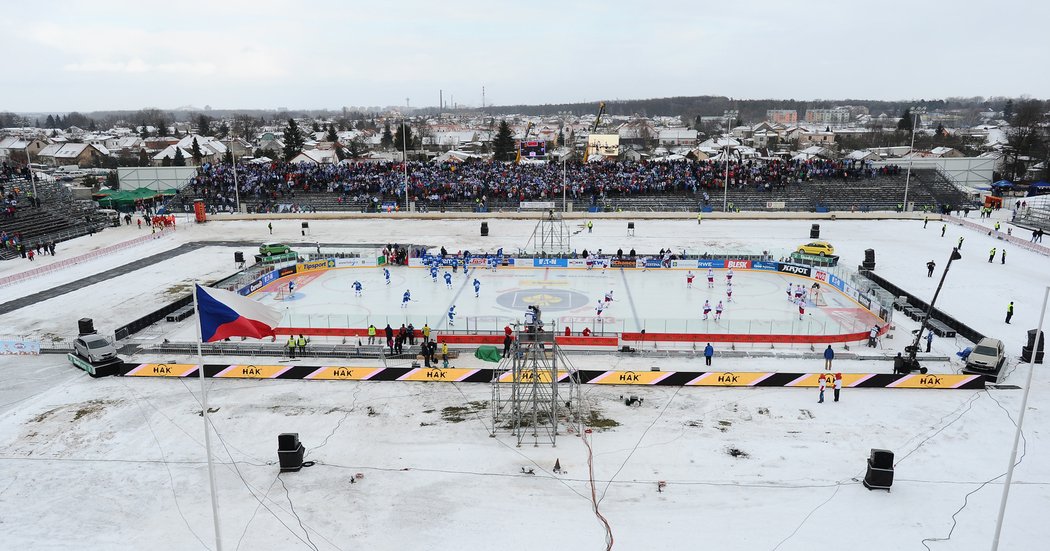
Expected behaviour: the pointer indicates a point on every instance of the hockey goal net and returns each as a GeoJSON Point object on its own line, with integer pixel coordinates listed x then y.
{"type": "Point", "coordinates": [282, 293]}
{"type": "Point", "coordinates": [818, 296]}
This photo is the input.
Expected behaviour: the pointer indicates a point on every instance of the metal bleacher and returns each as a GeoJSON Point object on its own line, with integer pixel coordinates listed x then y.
{"type": "Point", "coordinates": [58, 217]}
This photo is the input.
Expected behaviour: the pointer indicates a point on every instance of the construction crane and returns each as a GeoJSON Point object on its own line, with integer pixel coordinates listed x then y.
{"type": "Point", "coordinates": [597, 121]}
{"type": "Point", "coordinates": [528, 128]}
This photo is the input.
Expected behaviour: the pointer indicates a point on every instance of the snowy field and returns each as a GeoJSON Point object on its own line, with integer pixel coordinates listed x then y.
{"type": "Point", "coordinates": [119, 464]}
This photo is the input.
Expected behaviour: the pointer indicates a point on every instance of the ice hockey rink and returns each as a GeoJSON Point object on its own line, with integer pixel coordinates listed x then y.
{"type": "Point", "coordinates": [655, 300]}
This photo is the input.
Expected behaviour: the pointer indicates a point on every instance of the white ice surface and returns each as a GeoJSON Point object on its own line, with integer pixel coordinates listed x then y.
{"type": "Point", "coordinates": [109, 463]}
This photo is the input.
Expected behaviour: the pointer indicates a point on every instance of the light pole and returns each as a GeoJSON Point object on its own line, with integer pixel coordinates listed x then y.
{"type": "Point", "coordinates": [32, 177]}
{"type": "Point", "coordinates": [404, 164]}
{"type": "Point", "coordinates": [911, 152]}
{"type": "Point", "coordinates": [1020, 422]}
{"type": "Point", "coordinates": [725, 184]}
{"type": "Point", "coordinates": [236, 187]}
{"type": "Point", "coordinates": [564, 185]}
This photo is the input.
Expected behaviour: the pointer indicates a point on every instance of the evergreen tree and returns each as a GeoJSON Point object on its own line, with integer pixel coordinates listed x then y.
{"type": "Point", "coordinates": [228, 157]}
{"type": "Point", "coordinates": [403, 137]}
{"type": "Point", "coordinates": [143, 158]}
{"type": "Point", "coordinates": [387, 141]}
{"type": "Point", "coordinates": [223, 130]}
{"type": "Point", "coordinates": [905, 122]}
{"type": "Point", "coordinates": [91, 126]}
{"type": "Point", "coordinates": [561, 138]}
{"type": "Point", "coordinates": [196, 151]}
{"type": "Point", "coordinates": [503, 143]}
{"type": "Point", "coordinates": [166, 161]}
{"type": "Point", "coordinates": [1008, 109]}
{"type": "Point", "coordinates": [144, 133]}
{"type": "Point", "coordinates": [50, 122]}
{"type": "Point", "coordinates": [941, 132]}
{"type": "Point", "coordinates": [180, 160]}
{"type": "Point", "coordinates": [332, 136]}
{"type": "Point", "coordinates": [112, 181]}
{"type": "Point", "coordinates": [204, 125]}
{"type": "Point", "coordinates": [316, 127]}
{"type": "Point", "coordinates": [293, 140]}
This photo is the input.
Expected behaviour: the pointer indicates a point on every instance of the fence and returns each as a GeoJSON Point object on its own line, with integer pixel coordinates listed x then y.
{"type": "Point", "coordinates": [73, 261]}
{"type": "Point", "coordinates": [1016, 241]}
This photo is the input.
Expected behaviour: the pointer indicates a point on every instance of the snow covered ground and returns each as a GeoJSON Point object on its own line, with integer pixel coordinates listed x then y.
{"type": "Point", "coordinates": [119, 464]}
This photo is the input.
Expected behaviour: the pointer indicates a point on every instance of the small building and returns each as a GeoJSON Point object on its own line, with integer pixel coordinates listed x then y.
{"type": "Point", "coordinates": [80, 154]}
{"type": "Point", "coordinates": [317, 157]}
{"type": "Point", "coordinates": [677, 136]}
{"type": "Point", "coordinates": [782, 116]}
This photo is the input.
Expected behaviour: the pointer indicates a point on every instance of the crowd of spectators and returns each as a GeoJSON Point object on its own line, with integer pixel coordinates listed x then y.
{"type": "Point", "coordinates": [271, 184]}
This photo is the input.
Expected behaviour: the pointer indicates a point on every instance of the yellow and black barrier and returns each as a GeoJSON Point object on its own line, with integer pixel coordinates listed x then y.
{"type": "Point", "coordinates": [466, 375]}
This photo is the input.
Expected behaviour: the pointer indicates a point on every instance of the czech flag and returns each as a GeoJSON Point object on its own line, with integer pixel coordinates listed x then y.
{"type": "Point", "coordinates": [227, 314]}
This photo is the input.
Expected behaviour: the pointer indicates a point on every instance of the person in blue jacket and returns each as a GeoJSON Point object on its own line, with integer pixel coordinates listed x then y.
{"type": "Point", "coordinates": [709, 351]}
{"type": "Point", "coordinates": [829, 355]}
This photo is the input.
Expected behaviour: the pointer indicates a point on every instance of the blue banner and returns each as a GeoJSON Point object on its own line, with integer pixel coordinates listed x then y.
{"type": "Point", "coordinates": [653, 263]}
{"type": "Point", "coordinates": [837, 282]}
{"type": "Point", "coordinates": [703, 263]}
{"type": "Point", "coordinates": [762, 265]}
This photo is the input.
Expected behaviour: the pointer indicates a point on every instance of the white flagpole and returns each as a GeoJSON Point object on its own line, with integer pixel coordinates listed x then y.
{"type": "Point", "coordinates": [207, 431]}
{"type": "Point", "coordinates": [1020, 421]}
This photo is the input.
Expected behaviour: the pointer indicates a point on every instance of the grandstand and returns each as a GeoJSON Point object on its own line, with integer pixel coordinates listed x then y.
{"type": "Point", "coordinates": [58, 217]}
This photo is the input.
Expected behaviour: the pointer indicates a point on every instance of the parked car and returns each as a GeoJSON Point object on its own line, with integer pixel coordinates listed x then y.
{"type": "Point", "coordinates": [819, 248]}
{"type": "Point", "coordinates": [988, 355]}
{"type": "Point", "coordinates": [95, 348]}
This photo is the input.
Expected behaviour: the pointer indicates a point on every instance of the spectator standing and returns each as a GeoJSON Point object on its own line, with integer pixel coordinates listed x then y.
{"type": "Point", "coordinates": [838, 385]}
{"type": "Point", "coordinates": [829, 355]}
{"type": "Point", "coordinates": [709, 352]}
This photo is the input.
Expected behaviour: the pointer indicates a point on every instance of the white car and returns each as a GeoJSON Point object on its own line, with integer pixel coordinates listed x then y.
{"type": "Point", "coordinates": [95, 348]}
{"type": "Point", "coordinates": [988, 355]}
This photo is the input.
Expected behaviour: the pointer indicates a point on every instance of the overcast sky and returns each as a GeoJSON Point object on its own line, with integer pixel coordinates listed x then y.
{"type": "Point", "coordinates": [101, 54]}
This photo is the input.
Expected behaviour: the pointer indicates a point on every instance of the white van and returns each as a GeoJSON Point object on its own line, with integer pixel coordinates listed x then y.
{"type": "Point", "coordinates": [112, 216]}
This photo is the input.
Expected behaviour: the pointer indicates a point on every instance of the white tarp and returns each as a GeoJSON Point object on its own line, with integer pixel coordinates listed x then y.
{"type": "Point", "coordinates": [155, 177]}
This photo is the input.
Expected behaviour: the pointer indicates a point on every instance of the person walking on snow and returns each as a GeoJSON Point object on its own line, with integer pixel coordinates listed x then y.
{"type": "Point", "coordinates": [959, 246]}
{"type": "Point", "coordinates": [944, 228]}
{"type": "Point", "coordinates": [929, 268]}
{"type": "Point", "coordinates": [929, 341]}
{"type": "Point", "coordinates": [1002, 258]}
{"type": "Point", "coordinates": [709, 351]}
{"type": "Point", "coordinates": [1009, 311]}
{"type": "Point", "coordinates": [829, 355]}
{"type": "Point", "coordinates": [991, 255]}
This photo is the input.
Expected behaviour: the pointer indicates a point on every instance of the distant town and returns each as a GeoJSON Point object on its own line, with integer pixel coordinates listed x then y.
{"type": "Point", "coordinates": [1009, 134]}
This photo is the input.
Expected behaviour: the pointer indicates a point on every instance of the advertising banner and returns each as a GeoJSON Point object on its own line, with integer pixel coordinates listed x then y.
{"type": "Point", "coordinates": [286, 271]}
{"type": "Point", "coordinates": [624, 263]}
{"type": "Point", "coordinates": [322, 264]}
{"type": "Point", "coordinates": [550, 262]}
{"type": "Point", "coordinates": [762, 265]}
{"type": "Point", "coordinates": [19, 348]}
{"type": "Point", "coordinates": [796, 269]}
{"type": "Point", "coordinates": [738, 264]}
{"type": "Point", "coordinates": [709, 263]}
{"type": "Point", "coordinates": [352, 262]}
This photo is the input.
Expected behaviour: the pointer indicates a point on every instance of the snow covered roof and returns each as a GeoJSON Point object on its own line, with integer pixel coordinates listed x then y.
{"type": "Point", "coordinates": [316, 156]}
{"type": "Point", "coordinates": [170, 153]}
{"type": "Point", "coordinates": [69, 150]}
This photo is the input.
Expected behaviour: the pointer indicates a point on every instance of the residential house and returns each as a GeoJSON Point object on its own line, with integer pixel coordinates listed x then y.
{"type": "Point", "coordinates": [80, 154]}
{"type": "Point", "coordinates": [13, 144]}
{"type": "Point", "coordinates": [316, 156]}
{"type": "Point", "coordinates": [677, 136]}
{"type": "Point", "coordinates": [782, 116]}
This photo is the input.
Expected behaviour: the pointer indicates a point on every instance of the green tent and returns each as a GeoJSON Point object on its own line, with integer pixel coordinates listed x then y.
{"type": "Point", "coordinates": [488, 353]}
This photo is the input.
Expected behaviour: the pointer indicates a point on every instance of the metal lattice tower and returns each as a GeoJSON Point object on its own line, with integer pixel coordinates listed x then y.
{"type": "Point", "coordinates": [550, 236]}
{"type": "Point", "coordinates": [535, 390]}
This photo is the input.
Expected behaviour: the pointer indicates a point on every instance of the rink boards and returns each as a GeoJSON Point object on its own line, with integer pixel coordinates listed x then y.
{"type": "Point", "coordinates": [485, 375]}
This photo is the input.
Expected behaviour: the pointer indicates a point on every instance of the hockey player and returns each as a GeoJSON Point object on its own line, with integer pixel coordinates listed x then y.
{"type": "Point", "coordinates": [801, 308]}
{"type": "Point", "coordinates": [718, 310]}
{"type": "Point", "coordinates": [455, 263]}
{"type": "Point", "coordinates": [789, 292]}
{"type": "Point", "coordinates": [600, 307]}
{"type": "Point", "coordinates": [357, 288]}
{"type": "Point", "coordinates": [386, 275]}
{"type": "Point", "coordinates": [707, 309]}
{"type": "Point", "coordinates": [798, 292]}
{"type": "Point", "coordinates": [608, 298]}
{"type": "Point", "coordinates": [434, 272]}
{"type": "Point", "coordinates": [710, 278]}
{"type": "Point", "coordinates": [451, 315]}
{"type": "Point", "coordinates": [477, 288]}
{"type": "Point", "coordinates": [448, 280]}
{"type": "Point", "coordinates": [689, 280]}
{"type": "Point", "coordinates": [493, 262]}
{"type": "Point", "coordinates": [729, 277]}
{"type": "Point", "coordinates": [406, 298]}
{"type": "Point", "coordinates": [729, 291]}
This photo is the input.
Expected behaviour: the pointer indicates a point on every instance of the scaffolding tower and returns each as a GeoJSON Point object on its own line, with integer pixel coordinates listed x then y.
{"type": "Point", "coordinates": [535, 390]}
{"type": "Point", "coordinates": [551, 235]}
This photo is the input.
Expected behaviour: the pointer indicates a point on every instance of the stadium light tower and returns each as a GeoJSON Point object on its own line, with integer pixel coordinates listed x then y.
{"type": "Point", "coordinates": [404, 145]}
{"type": "Point", "coordinates": [915, 112]}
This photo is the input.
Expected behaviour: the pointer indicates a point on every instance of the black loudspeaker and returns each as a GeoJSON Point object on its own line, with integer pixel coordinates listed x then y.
{"type": "Point", "coordinates": [290, 452]}
{"type": "Point", "coordinates": [814, 231]}
{"type": "Point", "coordinates": [86, 326]}
{"type": "Point", "coordinates": [1026, 355]}
{"type": "Point", "coordinates": [1031, 340]}
{"type": "Point", "coordinates": [879, 474]}
{"type": "Point", "coordinates": [484, 229]}
{"type": "Point", "coordinates": [630, 225]}
{"type": "Point", "coordinates": [869, 255]}
{"type": "Point", "coordinates": [306, 225]}
{"type": "Point", "coordinates": [238, 257]}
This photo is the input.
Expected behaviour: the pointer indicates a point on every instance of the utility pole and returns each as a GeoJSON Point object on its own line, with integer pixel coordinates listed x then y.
{"type": "Point", "coordinates": [911, 152]}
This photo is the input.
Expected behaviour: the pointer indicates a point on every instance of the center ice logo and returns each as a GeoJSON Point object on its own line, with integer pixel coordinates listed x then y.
{"type": "Point", "coordinates": [546, 299]}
